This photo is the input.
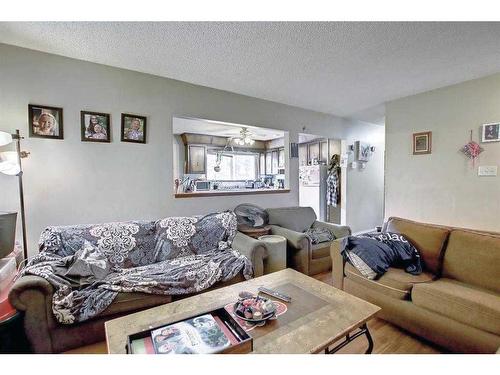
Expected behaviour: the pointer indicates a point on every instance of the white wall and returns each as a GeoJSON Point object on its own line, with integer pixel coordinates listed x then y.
{"type": "Point", "coordinates": [69, 181]}
{"type": "Point", "coordinates": [442, 187]}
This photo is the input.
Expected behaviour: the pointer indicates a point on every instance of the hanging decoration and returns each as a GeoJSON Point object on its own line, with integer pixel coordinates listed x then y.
{"type": "Point", "coordinates": [472, 150]}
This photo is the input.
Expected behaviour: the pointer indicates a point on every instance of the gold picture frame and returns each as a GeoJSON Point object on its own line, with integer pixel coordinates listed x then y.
{"type": "Point", "coordinates": [422, 143]}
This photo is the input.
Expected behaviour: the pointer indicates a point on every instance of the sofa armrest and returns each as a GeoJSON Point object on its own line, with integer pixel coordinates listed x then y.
{"type": "Point", "coordinates": [338, 231]}
{"type": "Point", "coordinates": [295, 239]}
{"type": "Point", "coordinates": [337, 263]}
{"type": "Point", "coordinates": [25, 283]}
{"type": "Point", "coordinates": [33, 295]}
{"type": "Point", "coordinates": [253, 249]}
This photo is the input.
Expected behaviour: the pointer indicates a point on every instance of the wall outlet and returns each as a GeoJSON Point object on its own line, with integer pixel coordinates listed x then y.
{"type": "Point", "coordinates": [487, 170]}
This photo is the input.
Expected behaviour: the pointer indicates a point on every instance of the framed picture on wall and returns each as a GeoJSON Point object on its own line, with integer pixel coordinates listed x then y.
{"type": "Point", "coordinates": [491, 132]}
{"type": "Point", "coordinates": [422, 143]}
{"type": "Point", "coordinates": [45, 121]}
{"type": "Point", "coordinates": [363, 151]}
{"type": "Point", "coordinates": [95, 126]}
{"type": "Point", "coordinates": [133, 128]}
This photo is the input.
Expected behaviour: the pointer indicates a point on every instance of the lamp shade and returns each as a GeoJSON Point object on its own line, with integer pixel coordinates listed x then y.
{"type": "Point", "coordinates": [5, 138]}
{"type": "Point", "coordinates": [7, 232]}
{"type": "Point", "coordinates": [9, 163]}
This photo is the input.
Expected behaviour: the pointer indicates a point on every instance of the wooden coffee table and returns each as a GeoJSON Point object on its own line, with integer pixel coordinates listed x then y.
{"type": "Point", "coordinates": [318, 316]}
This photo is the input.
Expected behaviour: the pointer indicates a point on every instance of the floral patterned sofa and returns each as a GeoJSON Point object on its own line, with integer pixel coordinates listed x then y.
{"type": "Point", "coordinates": [139, 264]}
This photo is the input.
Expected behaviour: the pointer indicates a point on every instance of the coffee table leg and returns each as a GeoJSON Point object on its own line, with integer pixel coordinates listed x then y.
{"type": "Point", "coordinates": [363, 330]}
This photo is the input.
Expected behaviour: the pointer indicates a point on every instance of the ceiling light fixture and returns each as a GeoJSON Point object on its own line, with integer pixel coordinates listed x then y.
{"type": "Point", "coordinates": [245, 138]}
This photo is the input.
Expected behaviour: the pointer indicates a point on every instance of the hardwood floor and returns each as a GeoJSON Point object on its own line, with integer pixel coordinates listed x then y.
{"type": "Point", "coordinates": [387, 338]}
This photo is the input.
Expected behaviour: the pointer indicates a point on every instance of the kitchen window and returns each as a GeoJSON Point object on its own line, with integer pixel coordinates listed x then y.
{"type": "Point", "coordinates": [233, 167]}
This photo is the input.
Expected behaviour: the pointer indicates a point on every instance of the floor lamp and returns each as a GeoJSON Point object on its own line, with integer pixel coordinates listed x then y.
{"type": "Point", "coordinates": [10, 164]}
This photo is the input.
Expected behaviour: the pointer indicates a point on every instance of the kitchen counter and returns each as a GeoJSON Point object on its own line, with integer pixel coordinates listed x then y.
{"type": "Point", "coordinates": [216, 193]}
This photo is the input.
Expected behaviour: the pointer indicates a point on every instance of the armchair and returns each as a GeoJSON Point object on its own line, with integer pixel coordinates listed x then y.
{"type": "Point", "coordinates": [302, 255]}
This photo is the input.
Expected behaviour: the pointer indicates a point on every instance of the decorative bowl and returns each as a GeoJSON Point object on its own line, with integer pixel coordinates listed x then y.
{"type": "Point", "coordinates": [265, 316]}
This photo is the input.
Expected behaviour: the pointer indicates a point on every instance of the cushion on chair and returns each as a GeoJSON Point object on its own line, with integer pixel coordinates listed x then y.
{"type": "Point", "coordinates": [473, 258]}
{"type": "Point", "coordinates": [298, 219]}
{"type": "Point", "coordinates": [319, 235]}
{"type": "Point", "coordinates": [471, 305]}
{"type": "Point", "coordinates": [395, 283]}
{"type": "Point", "coordinates": [427, 238]}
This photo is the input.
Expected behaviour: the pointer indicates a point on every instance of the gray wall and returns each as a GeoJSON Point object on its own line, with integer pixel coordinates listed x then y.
{"type": "Point", "coordinates": [69, 181]}
{"type": "Point", "coordinates": [443, 187]}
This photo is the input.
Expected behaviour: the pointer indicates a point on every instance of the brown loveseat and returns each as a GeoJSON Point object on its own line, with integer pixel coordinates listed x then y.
{"type": "Point", "coordinates": [454, 303]}
{"type": "Point", "coordinates": [33, 296]}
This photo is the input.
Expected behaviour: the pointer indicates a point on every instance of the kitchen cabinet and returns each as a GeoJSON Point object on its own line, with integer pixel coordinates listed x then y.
{"type": "Point", "coordinates": [323, 151]}
{"type": "Point", "coordinates": [281, 158]}
{"type": "Point", "coordinates": [196, 159]}
{"type": "Point", "coordinates": [262, 163]}
{"type": "Point", "coordinates": [312, 152]}
{"type": "Point", "coordinates": [302, 154]}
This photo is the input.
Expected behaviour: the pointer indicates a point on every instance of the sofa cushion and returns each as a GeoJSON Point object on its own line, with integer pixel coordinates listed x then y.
{"type": "Point", "coordinates": [177, 237]}
{"type": "Point", "coordinates": [298, 219]}
{"type": "Point", "coordinates": [427, 238]}
{"type": "Point", "coordinates": [471, 305]}
{"type": "Point", "coordinates": [128, 302]}
{"type": "Point", "coordinates": [320, 250]}
{"type": "Point", "coordinates": [395, 282]}
{"type": "Point", "coordinates": [473, 258]}
{"type": "Point", "coordinates": [125, 244]}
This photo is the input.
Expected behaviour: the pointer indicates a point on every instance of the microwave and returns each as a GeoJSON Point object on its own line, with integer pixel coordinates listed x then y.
{"type": "Point", "coordinates": [202, 185]}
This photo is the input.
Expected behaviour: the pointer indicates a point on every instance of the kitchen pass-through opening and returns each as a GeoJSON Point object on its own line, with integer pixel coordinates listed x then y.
{"type": "Point", "coordinates": [217, 158]}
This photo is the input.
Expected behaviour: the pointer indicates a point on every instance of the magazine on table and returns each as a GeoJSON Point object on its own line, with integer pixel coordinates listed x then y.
{"type": "Point", "coordinates": [204, 334]}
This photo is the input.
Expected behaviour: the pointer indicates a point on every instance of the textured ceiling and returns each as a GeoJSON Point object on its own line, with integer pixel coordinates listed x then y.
{"type": "Point", "coordinates": [346, 69]}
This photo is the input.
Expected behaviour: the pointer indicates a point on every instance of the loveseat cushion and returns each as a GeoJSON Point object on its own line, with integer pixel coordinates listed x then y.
{"type": "Point", "coordinates": [471, 305]}
{"type": "Point", "coordinates": [427, 238]}
{"type": "Point", "coordinates": [473, 258]}
{"type": "Point", "coordinates": [298, 219]}
{"type": "Point", "coordinates": [128, 302]}
{"type": "Point", "coordinates": [395, 283]}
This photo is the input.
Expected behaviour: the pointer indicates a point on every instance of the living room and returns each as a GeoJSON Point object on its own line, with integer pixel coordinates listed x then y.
{"type": "Point", "coordinates": [266, 187]}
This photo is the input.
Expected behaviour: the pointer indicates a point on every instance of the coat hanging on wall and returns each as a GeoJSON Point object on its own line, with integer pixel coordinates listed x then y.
{"type": "Point", "coordinates": [472, 150]}
{"type": "Point", "coordinates": [333, 182]}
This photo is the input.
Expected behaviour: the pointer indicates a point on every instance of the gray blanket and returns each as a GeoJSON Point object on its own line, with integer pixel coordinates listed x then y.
{"type": "Point", "coordinates": [88, 265]}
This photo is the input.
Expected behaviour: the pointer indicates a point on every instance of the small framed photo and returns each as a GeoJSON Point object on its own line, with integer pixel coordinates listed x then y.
{"type": "Point", "coordinates": [491, 132]}
{"type": "Point", "coordinates": [422, 143]}
{"type": "Point", "coordinates": [133, 128]}
{"type": "Point", "coordinates": [45, 121]}
{"type": "Point", "coordinates": [363, 151]}
{"type": "Point", "coordinates": [95, 127]}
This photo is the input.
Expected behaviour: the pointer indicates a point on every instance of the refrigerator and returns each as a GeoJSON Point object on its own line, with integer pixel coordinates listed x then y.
{"type": "Point", "coordinates": [312, 189]}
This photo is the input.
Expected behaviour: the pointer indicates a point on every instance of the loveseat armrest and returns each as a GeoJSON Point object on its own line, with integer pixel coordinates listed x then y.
{"type": "Point", "coordinates": [25, 283]}
{"type": "Point", "coordinates": [338, 263]}
{"type": "Point", "coordinates": [338, 231]}
{"type": "Point", "coordinates": [297, 240]}
{"type": "Point", "coordinates": [253, 249]}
